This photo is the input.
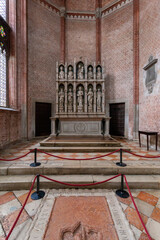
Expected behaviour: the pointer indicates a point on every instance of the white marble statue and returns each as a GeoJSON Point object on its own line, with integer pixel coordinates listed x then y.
{"type": "Point", "coordinates": [70, 73]}
{"type": "Point", "coordinates": [61, 73]}
{"type": "Point", "coordinates": [99, 74]}
{"type": "Point", "coordinates": [90, 98]}
{"type": "Point", "coordinates": [80, 97]}
{"type": "Point", "coordinates": [90, 73]}
{"type": "Point", "coordinates": [99, 99]}
{"type": "Point", "coordinates": [61, 99]}
{"type": "Point", "coordinates": [80, 71]}
{"type": "Point", "coordinates": [70, 100]}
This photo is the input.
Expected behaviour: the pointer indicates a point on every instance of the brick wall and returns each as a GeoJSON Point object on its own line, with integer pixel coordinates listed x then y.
{"type": "Point", "coordinates": [10, 127]}
{"type": "Point", "coordinates": [117, 54]}
{"type": "Point", "coordinates": [80, 40]}
{"type": "Point", "coordinates": [82, 5]}
{"type": "Point", "coordinates": [107, 2]}
{"type": "Point", "coordinates": [43, 52]}
{"type": "Point", "coordinates": [149, 106]}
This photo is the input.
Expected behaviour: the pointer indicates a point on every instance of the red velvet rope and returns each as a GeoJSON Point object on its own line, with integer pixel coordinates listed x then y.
{"type": "Point", "coordinates": [14, 159]}
{"type": "Point", "coordinates": [141, 155]}
{"type": "Point", "coordinates": [80, 185]}
{"type": "Point", "coordinates": [80, 159]}
{"type": "Point", "coordinates": [77, 185]}
{"type": "Point", "coordinates": [149, 237]}
{"type": "Point", "coordinates": [21, 209]}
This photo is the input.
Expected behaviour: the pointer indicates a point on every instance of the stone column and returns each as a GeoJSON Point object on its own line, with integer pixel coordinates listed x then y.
{"type": "Point", "coordinates": [136, 66]}
{"type": "Point", "coordinates": [103, 97]}
{"type": "Point", "coordinates": [66, 97]}
{"type": "Point", "coordinates": [74, 97]}
{"type": "Point", "coordinates": [85, 67]}
{"type": "Point", "coordinates": [95, 96]}
{"type": "Point", "coordinates": [85, 98]}
{"type": "Point", "coordinates": [62, 15]}
{"type": "Point", "coordinates": [74, 68]}
{"type": "Point", "coordinates": [57, 108]}
{"type": "Point", "coordinates": [53, 126]}
{"type": "Point", "coordinates": [94, 70]}
{"type": "Point", "coordinates": [98, 31]}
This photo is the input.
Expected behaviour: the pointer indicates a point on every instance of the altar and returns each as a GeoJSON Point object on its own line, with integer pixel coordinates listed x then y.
{"type": "Point", "coordinates": [80, 101]}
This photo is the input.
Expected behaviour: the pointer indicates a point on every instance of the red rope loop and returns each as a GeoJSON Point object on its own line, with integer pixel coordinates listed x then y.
{"type": "Point", "coordinates": [79, 185]}
{"type": "Point", "coordinates": [149, 237]}
{"type": "Point", "coordinates": [21, 209]}
{"type": "Point", "coordinates": [137, 155]}
{"type": "Point", "coordinates": [14, 159]}
{"type": "Point", "coordinates": [80, 159]}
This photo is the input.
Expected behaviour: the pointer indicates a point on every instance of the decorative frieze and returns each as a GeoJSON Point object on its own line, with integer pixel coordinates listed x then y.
{"type": "Point", "coordinates": [99, 13]}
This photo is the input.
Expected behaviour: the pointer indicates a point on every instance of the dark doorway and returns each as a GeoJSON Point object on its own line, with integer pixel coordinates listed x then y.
{"type": "Point", "coordinates": [117, 114]}
{"type": "Point", "coordinates": [43, 122]}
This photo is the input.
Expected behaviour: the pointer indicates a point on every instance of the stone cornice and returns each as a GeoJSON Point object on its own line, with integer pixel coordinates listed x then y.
{"type": "Point", "coordinates": [79, 15]}
{"type": "Point", "coordinates": [115, 7]}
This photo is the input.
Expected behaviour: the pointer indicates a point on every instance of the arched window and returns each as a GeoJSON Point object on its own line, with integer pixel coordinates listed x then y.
{"type": "Point", "coordinates": [4, 52]}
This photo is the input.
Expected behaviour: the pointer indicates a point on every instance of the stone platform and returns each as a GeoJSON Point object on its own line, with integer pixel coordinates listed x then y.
{"type": "Point", "coordinates": [79, 144]}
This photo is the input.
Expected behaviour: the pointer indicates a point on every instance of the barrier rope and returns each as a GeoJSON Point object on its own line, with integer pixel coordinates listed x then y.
{"type": "Point", "coordinates": [79, 185]}
{"type": "Point", "coordinates": [137, 155]}
{"type": "Point", "coordinates": [80, 159]}
{"type": "Point", "coordinates": [149, 237]}
{"type": "Point", "coordinates": [17, 158]}
{"type": "Point", "coordinates": [21, 209]}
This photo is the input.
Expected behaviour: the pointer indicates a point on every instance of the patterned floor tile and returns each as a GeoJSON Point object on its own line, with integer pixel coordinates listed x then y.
{"type": "Point", "coordinates": [133, 218]}
{"type": "Point", "coordinates": [148, 198]}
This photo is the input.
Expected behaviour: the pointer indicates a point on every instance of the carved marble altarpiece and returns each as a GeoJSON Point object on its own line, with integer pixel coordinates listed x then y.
{"type": "Point", "coordinates": [80, 99]}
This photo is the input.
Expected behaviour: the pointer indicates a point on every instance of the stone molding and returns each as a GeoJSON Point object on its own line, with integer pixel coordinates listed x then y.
{"type": "Point", "coordinates": [79, 15]}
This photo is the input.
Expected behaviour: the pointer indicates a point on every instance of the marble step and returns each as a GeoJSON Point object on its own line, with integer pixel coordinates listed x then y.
{"type": "Point", "coordinates": [64, 167]}
{"type": "Point", "coordinates": [79, 149]}
{"type": "Point", "coordinates": [80, 144]}
{"type": "Point", "coordinates": [9, 183]}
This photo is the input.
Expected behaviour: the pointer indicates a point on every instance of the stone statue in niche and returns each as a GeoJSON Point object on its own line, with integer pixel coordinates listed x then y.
{"type": "Point", "coordinates": [70, 73]}
{"type": "Point", "coordinates": [61, 100]}
{"type": "Point", "coordinates": [99, 100]}
{"type": "Point", "coordinates": [99, 74]}
{"type": "Point", "coordinates": [80, 71]}
{"type": "Point", "coordinates": [90, 100]}
{"type": "Point", "coordinates": [90, 73]}
{"type": "Point", "coordinates": [61, 73]}
{"type": "Point", "coordinates": [70, 100]}
{"type": "Point", "coordinates": [80, 99]}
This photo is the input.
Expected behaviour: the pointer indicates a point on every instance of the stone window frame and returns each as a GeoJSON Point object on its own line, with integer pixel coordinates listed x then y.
{"type": "Point", "coordinates": [5, 49]}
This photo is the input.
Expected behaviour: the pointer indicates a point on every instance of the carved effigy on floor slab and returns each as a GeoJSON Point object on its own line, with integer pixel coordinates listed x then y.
{"type": "Point", "coordinates": [80, 94]}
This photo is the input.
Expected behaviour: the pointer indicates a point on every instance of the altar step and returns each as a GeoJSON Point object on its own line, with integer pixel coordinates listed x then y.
{"type": "Point", "coordinates": [10, 183]}
{"type": "Point", "coordinates": [80, 144]}
{"type": "Point", "coordinates": [140, 174]}
{"type": "Point", "coordinates": [77, 149]}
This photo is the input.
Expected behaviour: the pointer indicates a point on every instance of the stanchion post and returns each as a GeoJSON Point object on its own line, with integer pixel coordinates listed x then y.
{"type": "Point", "coordinates": [38, 194]}
{"type": "Point", "coordinates": [121, 164]}
{"type": "Point", "coordinates": [121, 192]}
{"type": "Point", "coordinates": [35, 163]}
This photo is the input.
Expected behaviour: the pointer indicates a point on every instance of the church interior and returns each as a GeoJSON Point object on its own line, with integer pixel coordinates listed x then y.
{"type": "Point", "coordinates": [80, 118]}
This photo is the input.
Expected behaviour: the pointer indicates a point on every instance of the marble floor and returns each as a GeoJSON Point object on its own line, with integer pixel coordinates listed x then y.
{"type": "Point", "coordinates": [79, 214]}
{"type": "Point", "coordinates": [68, 214]}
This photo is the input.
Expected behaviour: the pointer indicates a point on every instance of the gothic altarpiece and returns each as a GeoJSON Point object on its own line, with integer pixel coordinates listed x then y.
{"type": "Point", "coordinates": [80, 99]}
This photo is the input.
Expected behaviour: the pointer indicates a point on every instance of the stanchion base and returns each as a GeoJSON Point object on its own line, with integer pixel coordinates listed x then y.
{"type": "Point", "coordinates": [122, 193]}
{"type": "Point", "coordinates": [121, 164]}
{"type": "Point", "coordinates": [35, 164]}
{"type": "Point", "coordinates": [37, 195]}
